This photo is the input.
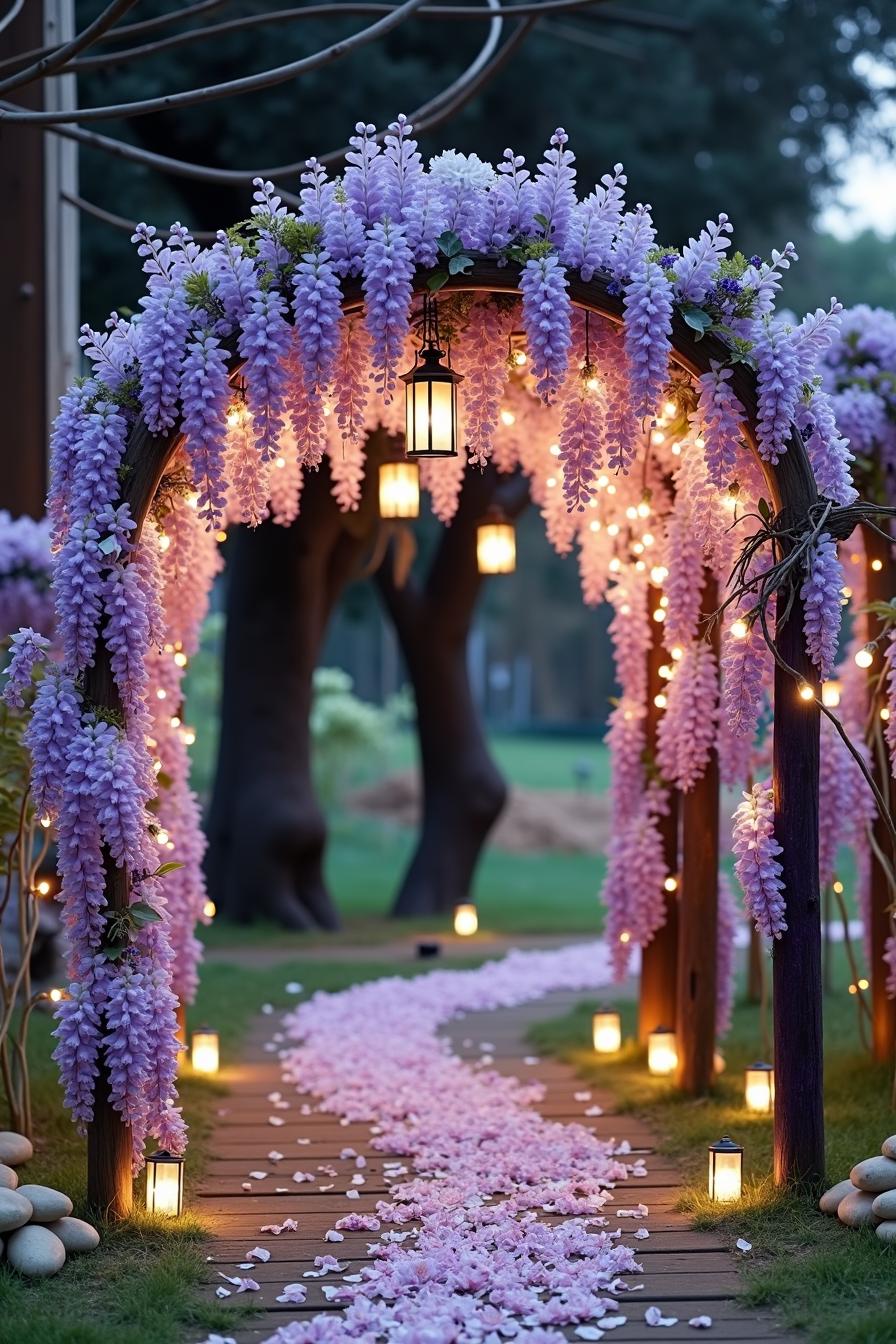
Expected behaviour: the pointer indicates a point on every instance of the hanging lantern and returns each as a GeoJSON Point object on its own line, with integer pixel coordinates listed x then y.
{"type": "Point", "coordinates": [399, 490]}
{"type": "Point", "coordinates": [431, 395]}
{"type": "Point", "coordinates": [831, 692]}
{"type": "Point", "coordinates": [606, 1031]}
{"type": "Point", "coordinates": [496, 544]}
{"type": "Point", "coordinates": [466, 920]}
{"type": "Point", "coordinates": [759, 1088]}
{"type": "Point", "coordinates": [165, 1184]}
{"type": "Point", "coordinates": [726, 1159]}
{"type": "Point", "coordinates": [204, 1052]}
{"type": "Point", "coordinates": [662, 1051]}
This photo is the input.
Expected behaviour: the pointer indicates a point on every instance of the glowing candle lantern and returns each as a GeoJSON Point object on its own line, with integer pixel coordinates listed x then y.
{"type": "Point", "coordinates": [495, 544]}
{"type": "Point", "coordinates": [606, 1031]}
{"type": "Point", "coordinates": [662, 1051]}
{"type": "Point", "coordinates": [830, 693]}
{"type": "Point", "coordinates": [399, 490]}
{"type": "Point", "coordinates": [759, 1088]}
{"type": "Point", "coordinates": [725, 1171]}
{"type": "Point", "coordinates": [466, 920]}
{"type": "Point", "coordinates": [165, 1184]}
{"type": "Point", "coordinates": [204, 1052]}
{"type": "Point", "coordinates": [431, 395]}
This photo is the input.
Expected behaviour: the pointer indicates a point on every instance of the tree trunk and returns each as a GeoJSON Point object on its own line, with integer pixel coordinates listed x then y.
{"type": "Point", "coordinates": [698, 914]}
{"type": "Point", "coordinates": [266, 832]}
{"type": "Point", "coordinates": [657, 998]}
{"type": "Point", "coordinates": [881, 588]}
{"type": "Point", "coordinates": [463, 791]}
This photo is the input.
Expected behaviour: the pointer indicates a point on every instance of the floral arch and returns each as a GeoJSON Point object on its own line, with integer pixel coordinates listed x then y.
{"type": "Point", "coordinates": [360, 252]}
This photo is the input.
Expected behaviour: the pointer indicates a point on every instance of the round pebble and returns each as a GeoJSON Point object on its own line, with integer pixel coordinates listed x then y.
{"type": "Point", "coordinates": [885, 1204]}
{"type": "Point", "coordinates": [888, 1147]}
{"type": "Point", "coordinates": [887, 1232]}
{"type": "Point", "coordinates": [875, 1174]}
{"type": "Point", "coordinates": [14, 1148]}
{"type": "Point", "coordinates": [15, 1211]}
{"type": "Point", "coordinates": [35, 1252]}
{"type": "Point", "coordinates": [47, 1204]}
{"type": "Point", "coordinates": [855, 1210]}
{"type": "Point", "coordinates": [8, 1178]}
{"type": "Point", "coordinates": [76, 1236]}
{"type": "Point", "coordinates": [830, 1200]}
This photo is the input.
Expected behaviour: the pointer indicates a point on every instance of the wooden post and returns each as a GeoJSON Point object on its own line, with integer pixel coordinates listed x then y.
{"type": "Point", "coordinates": [881, 581]}
{"type": "Point", "coordinates": [799, 1065]}
{"type": "Point", "coordinates": [658, 990]}
{"type": "Point", "coordinates": [698, 913]}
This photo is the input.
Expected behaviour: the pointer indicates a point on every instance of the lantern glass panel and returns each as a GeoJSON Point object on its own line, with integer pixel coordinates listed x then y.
{"type": "Point", "coordinates": [662, 1052]}
{"type": "Point", "coordinates": [725, 1171]}
{"type": "Point", "coordinates": [204, 1053]}
{"type": "Point", "coordinates": [759, 1088]}
{"type": "Point", "coordinates": [496, 548]}
{"type": "Point", "coordinates": [606, 1032]}
{"type": "Point", "coordinates": [165, 1184]}
{"type": "Point", "coordinates": [399, 490]}
{"type": "Point", "coordinates": [466, 920]}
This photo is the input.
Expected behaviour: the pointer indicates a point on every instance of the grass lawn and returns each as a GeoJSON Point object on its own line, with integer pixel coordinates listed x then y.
{"type": "Point", "coordinates": [140, 1286]}
{"type": "Point", "coordinates": [839, 1285]}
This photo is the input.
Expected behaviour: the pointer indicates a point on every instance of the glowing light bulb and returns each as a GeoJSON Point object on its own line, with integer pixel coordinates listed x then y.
{"type": "Point", "coordinates": [660, 701]}
{"type": "Point", "coordinates": [551, 482]}
{"type": "Point", "coordinates": [665, 672]}
{"type": "Point", "coordinates": [46, 823]}
{"type": "Point", "coordinates": [657, 437]}
{"type": "Point", "coordinates": [865, 657]}
{"type": "Point", "coordinates": [806, 691]}
{"type": "Point", "coordinates": [594, 526]}
{"type": "Point", "coordinates": [508, 418]}
{"type": "Point", "coordinates": [838, 887]}
{"type": "Point", "coordinates": [670, 884]}
{"type": "Point", "coordinates": [830, 694]}
{"type": "Point", "coordinates": [175, 720]}
{"type": "Point", "coordinates": [631, 512]}
{"type": "Point", "coordinates": [625, 936]}
{"type": "Point", "coordinates": [56, 995]}
{"type": "Point", "coordinates": [643, 509]}
{"type": "Point", "coordinates": [648, 538]}
{"type": "Point", "coordinates": [161, 693]}
{"type": "Point", "coordinates": [863, 983]}
{"type": "Point", "coordinates": [659, 614]}
{"type": "Point", "coordinates": [658, 575]}
{"type": "Point", "coordinates": [885, 714]}
{"type": "Point", "coordinates": [877, 565]}
{"type": "Point", "coordinates": [180, 659]}
{"type": "Point", "coordinates": [280, 462]}
{"type": "Point", "coordinates": [677, 653]}
{"type": "Point", "coordinates": [615, 565]}
{"type": "Point", "coordinates": [554, 450]}
{"type": "Point", "coordinates": [520, 358]}
{"type": "Point", "coordinates": [43, 887]}
{"type": "Point", "coordinates": [739, 629]}
{"type": "Point", "coordinates": [209, 909]}
{"type": "Point", "coordinates": [221, 535]}
{"type": "Point", "coordinates": [188, 736]}
{"type": "Point", "coordinates": [611, 489]}
{"type": "Point", "coordinates": [164, 542]}
{"type": "Point", "coordinates": [613, 530]}
{"type": "Point", "coordinates": [162, 836]}
{"type": "Point", "coordinates": [670, 410]}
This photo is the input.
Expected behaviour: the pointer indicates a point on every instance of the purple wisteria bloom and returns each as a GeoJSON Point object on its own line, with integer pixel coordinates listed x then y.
{"type": "Point", "coordinates": [547, 315]}
{"type": "Point", "coordinates": [264, 343]}
{"type": "Point", "coordinates": [27, 651]}
{"type": "Point", "coordinates": [388, 284]}
{"type": "Point", "coordinates": [593, 224]}
{"type": "Point", "coordinates": [554, 195]}
{"type": "Point", "coordinates": [822, 593]}
{"type": "Point", "coordinates": [695, 270]}
{"type": "Point", "coordinates": [756, 861]}
{"type": "Point", "coordinates": [317, 305]}
{"type": "Point", "coordinates": [648, 335]}
{"type": "Point", "coordinates": [779, 386]}
{"type": "Point", "coordinates": [205, 393]}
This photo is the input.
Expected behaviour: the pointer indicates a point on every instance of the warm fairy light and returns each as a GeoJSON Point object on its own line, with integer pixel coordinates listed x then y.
{"type": "Point", "coordinates": [884, 713]}
{"type": "Point", "coordinates": [603, 482]}
{"type": "Point", "coordinates": [280, 462]}
{"type": "Point", "coordinates": [837, 886]}
{"type": "Point", "coordinates": [830, 693]}
{"type": "Point", "coordinates": [877, 565]}
{"type": "Point", "coordinates": [611, 489]}
{"type": "Point", "coordinates": [606, 1031]}
{"type": "Point", "coordinates": [175, 720]}
{"type": "Point", "coordinates": [865, 657]}
{"type": "Point", "coordinates": [551, 482]}
{"type": "Point", "coordinates": [739, 629]}
{"type": "Point", "coordinates": [613, 530]}
{"type": "Point", "coordinates": [853, 989]}
{"type": "Point", "coordinates": [495, 544]}
{"type": "Point", "coordinates": [659, 614]}
{"type": "Point", "coordinates": [519, 358]}
{"type": "Point", "coordinates": [188, 737]}
{"type": "Point", "coordinates": [638, 548]}
{"type": "Point", "coordinates": [648, 538]}
{"type": "Point", "coordinates": [846, 591]}
{"type": "Point", "coordinates": [863, 983]}
{"type": "Point", "coordinates": [165, 1184]}
{"type": "Point", "coordinates": [221, 535]}
{"type": "Point", "coordinates": [725, 1170]}
{"type": "Point", "coordinates": [56, 995]}
{"type": "Point", "coordinates": [46, 823]}
{"type": "Point", "coordinates": [466, 920]}
{"type": "Point", "coordinates": [204, 1051]}
{"type": "Point", "coordinates": [43, 887]}
{"type": "Point", "coordinates": [643, 509]}
{"type": "Point", "coordinates": [164, 541]}
{"type": "Point", "coordinates": [508, 418]}
{"type": "Point", "coordinates": [660, 701]}
{"type": "Point", "coordinates": [554, 450]}
{"type": "Point", "coordinates": [631, 512]}
{"type": "Point", "coordinates": [594, 526]}
{"type": "Point", "coordinates": [662, 1052]}
{"type": "Point", "coordinates": [162, 836]}
{"type": "Point", "coordinates": [664, 601]}
{"type": "Point", "coordinates": [670, 410]}
{"type": "Point", "coordinates": [615, 565]}
{"type": "Point", "coordinates": [161, 693]}
{"type": "Point", "coordinates": [665, 671]}
{"type": "Point", "coordinates": [759, 1088]}
{"type": "Point", "coordinates": [677, 653]}
{"type": "Point", "coordinates": [399, 490]}
{"type": "Point", "coordinates": [657, 437]}
{"type": "Point", "coordinates": [670, 884]}
{"type": "Point", "coordinates": [625, 936]}
{"type": "Point", "coordinates": [640, 566]}
{"type": "Point", "coordinates": [180, 659]}
{"type": "Point", "coordinates": [625, 609]}
{"type": "Point", "coordinates": [806, 691]}
{"type": "Point", "coordinates": [209, 909]}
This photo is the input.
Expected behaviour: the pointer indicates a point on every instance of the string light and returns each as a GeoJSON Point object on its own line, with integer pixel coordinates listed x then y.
{"type": "Point", "coordinates": [164, 541]}
{"type": "Point", "coordinates": [659, 614]}
{"type": "Point", "coordinates": [658, 575]}
{"type": "Point", "coordinates": [56, 995]}
{"type": "Point", "coordinates": [670, 884]}
{"type": "Point", "coordinates": [837, 887]}
{"type": "Point", "coordinates": [180, 659]}
{"type": "Point", "coordinates": [508, 418]}
{"type": "Point", "coordinates": [209, 909]}
{"type": "Point", "coordinates": [885, 714]}
{"type": "Point", "coordinates": [806, 691]}
{"type": "Point", "coordinates": [46, 822]}
{"type": "Point", "coordinates": [660, 700]}
{"type": "Point", "coordinates": [625, 937]}
{"type": "Point", "coordinates": [865, 656]}
{"type": "Point", "coordinates": [43, 887]}
{"type": "Point", "coordinates": [739, 629]}
{"type": "Point", "coordinates": [677, 653]}
{"type": "Point", "coordinates": [877, 565]}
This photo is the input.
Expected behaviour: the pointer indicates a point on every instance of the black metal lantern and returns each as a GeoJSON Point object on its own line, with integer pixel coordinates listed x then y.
{"type": "Point", "coordinates": [165, 1183]}
{"type": "Point", "coordinates": [726, 1160]}
{"type": "Point", "coordinates": [431, 395]}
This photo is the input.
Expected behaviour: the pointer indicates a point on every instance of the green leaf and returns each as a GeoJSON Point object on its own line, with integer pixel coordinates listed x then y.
{"type": "Point", "coordinates": [543, 221]}
{"type": "Point", "coordinates": [141, 912]}
{"type": "Point", "coordinates": [765, 510]}
{"type": "Point", "coordinates": [113, 952]}
{"type": "Point", "coordinates": [436, 281]}
{"type": "Point", "coordinates": [459, 265]}
{"type": "Point", "coordinates": [449, 243]}
{"type": "Point", "coordinates": [698, 319]}
{"type": "Point", "coordinates": [165, 868]}
{"type": "Point", "coordinates": [108, 545]}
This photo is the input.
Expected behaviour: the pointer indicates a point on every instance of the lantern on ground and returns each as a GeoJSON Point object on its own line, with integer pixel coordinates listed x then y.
{"type": "Point", "coordinates": [431, 395]}
{"type": "Point", "coordinates": [496, 544]}
{"type": "Point", "coordinates": [759, 1088]}
{"type": "Point", "coordinates": [725, 1170]}
{"type": "Point", "coordinates": [399, 490]}
{"type": "Point", "coordinates": [662, 1051]}
{"type": "Point", "coordinates": [606, 1031]}
{"type": "Point", "coordinates": [165, 1184]}
{"type": "Point", "coordinates": [466, 920]}
{"type": "Point", "coordinates": [204, 1052]}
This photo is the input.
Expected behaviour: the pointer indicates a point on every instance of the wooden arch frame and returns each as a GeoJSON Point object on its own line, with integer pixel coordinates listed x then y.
{"type": "Point", "coordinates": [799, 1118]}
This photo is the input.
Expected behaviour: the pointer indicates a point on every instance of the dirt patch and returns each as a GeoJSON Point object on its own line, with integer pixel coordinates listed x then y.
{"type": "Point", "coordinates": [535, 821]}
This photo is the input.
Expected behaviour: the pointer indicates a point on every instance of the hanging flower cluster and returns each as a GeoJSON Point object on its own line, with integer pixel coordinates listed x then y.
{"type": "Point", "coordinates": [756, 861]}
{"type": "Point", "coordinates": [25, 563]}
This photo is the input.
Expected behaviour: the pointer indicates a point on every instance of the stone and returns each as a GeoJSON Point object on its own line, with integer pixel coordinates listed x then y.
{"type": "Point", "coordinates": [48, 1205]}
{"type": "Point", "coordinates": [830, 1200]}
{"type": "Point", "coordinates": [8, 1178]}
{"type": "Point", "coordinates": [875, 1174]}
{"type": "Point", "coordinates": [35, 1252]}
{"type": "Point", "coordinates": [888, 1147]}
{"type": "Point", "coordinates": [885, 1204]}
{"type": "Point", "coordinates": [887, 1232]}
{"type": "Point", "coordinates": [855, 1209]}
{"type": "Point", "coordinates": [76, 1236]}
{"type": "Point", "coordinates": [15, 1210]}
{"type": "Point", "coordinates": [14, 1148]}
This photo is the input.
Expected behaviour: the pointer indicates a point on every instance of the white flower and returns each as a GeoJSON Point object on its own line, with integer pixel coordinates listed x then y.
{"type": "Point", "coordinates": [466, 172]}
